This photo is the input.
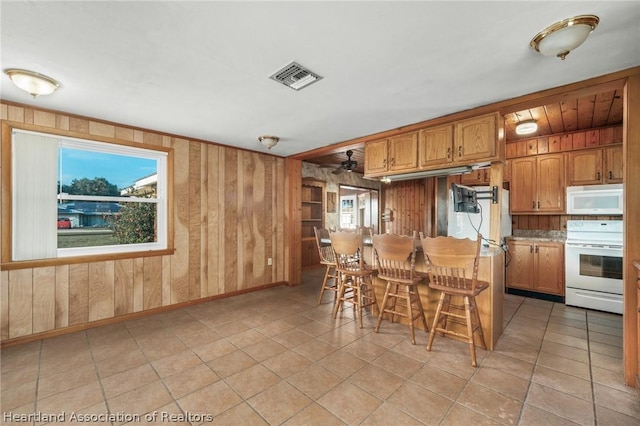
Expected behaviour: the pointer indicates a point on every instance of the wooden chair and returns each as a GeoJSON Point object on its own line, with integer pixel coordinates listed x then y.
{"type": "Point", "coordinates": [395, 261]}
{"type": "Point", "coordinates": [327, 258]}
{"type": "Point", "coordinates": [452, 267]}
{"type": "Point", "coordinates": [355, 285]}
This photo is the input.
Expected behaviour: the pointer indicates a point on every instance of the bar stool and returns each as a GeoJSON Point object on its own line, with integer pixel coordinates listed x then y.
{"type": "Point", "coordinates": [355, 285]}
{"type": "Point", "coordinates": [452, 266]}
{"type": "Point", "coordinates": [395, 261]}
{"type": "Point", "coordinates": [327, 258]}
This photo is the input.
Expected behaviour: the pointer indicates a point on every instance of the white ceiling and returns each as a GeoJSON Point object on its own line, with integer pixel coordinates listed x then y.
{"type": "Point", "coordinates": [201, 69]}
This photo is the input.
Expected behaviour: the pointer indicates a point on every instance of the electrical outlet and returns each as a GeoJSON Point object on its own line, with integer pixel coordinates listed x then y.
{"type": "Point", "coordinates": [269, 261]}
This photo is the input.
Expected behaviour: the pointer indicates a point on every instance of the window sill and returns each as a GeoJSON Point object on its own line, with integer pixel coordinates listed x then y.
{"type": "Point", "coordinates": [9, 266]}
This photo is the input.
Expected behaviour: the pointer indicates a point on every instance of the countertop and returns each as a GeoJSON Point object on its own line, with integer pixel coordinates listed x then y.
{"type": "Point", "coordinates": [490, 251]}
{"type": "Point", "coordinates": [538, 235]}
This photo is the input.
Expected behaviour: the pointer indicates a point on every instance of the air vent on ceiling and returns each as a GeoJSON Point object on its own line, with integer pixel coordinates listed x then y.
{"type": "Point", "coordinates": [295, 76]}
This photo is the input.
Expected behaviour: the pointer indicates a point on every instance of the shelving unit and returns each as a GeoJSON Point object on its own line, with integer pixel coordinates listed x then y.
{"type": "Point", "coordinates": [313, 202]}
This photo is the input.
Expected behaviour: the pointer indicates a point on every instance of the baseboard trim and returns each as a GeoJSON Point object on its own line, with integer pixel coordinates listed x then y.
{"type": "Point", "coordinates": [127, 317]}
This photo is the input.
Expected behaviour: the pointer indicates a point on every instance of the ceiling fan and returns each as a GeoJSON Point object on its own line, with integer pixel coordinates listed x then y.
{"type": "Point", "coordinates": [348, 165]}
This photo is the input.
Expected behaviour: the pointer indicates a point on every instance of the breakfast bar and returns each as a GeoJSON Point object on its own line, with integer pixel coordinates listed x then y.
{"type": "Point", "coordinates": [490, 302]}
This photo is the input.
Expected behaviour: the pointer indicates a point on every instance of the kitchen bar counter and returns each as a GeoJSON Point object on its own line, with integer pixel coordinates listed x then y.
{"type": "Point", "coordinates": [490, 302]}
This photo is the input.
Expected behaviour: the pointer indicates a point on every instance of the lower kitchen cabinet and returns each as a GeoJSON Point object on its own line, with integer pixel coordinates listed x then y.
{"type": "Point", "coordinates": [536, 266]}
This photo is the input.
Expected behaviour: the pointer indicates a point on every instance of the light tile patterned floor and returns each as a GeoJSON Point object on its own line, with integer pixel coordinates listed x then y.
{"type": "Point", "coordinates": [275, 357]}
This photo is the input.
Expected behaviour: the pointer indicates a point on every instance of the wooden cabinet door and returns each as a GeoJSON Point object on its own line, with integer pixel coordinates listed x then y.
{"type": "Point", "coordinates": [310, 255]}
{"type": "Point", "coordinates": [549, 268]}
{"type": "Point", "coordinates": [403, 152]}
{"type": "Point", "coordinates": [476, 177]}
{"type": "Point", "coordinates": [435, 146]}
{"type": "Point", "coordinates": [550, 184]}
{"type": "Point", "coordinates": [613, 164]}
{"type": "Point", "coordinates": [585, 167]}
{"type": "Point", "coordinates": [475, 138]}
{"type": "Point", "coordinates": [522, 193]}
{"type": "Point", "coordinates": [375, 157]}
{"type": "Point", "coordinates": [520, 268]}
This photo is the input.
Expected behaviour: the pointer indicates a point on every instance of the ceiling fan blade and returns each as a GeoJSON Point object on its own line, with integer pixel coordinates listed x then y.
{"type": "Point", "coordinates": [338, 171]}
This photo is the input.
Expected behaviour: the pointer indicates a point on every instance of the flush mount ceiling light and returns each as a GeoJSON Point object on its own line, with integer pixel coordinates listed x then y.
{"type": "Point", "coordinates": [526, 127]}
{"type": "Point", "coordinates": [562, 37]}
{"type": "Point", "coordinates": [269, 141]}
{"type": "Point", "coordinates": [33, 83]}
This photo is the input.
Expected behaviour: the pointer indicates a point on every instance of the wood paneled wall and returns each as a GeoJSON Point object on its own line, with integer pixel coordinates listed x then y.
{"type": "Point", "coordinates": [230, 212]}
{"type": "Point", "coordinates": [412, 203]}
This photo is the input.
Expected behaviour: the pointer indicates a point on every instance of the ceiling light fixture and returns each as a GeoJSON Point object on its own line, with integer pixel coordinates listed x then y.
{"type": "Point", "coordinates": [562, 37]}
{"type": "Point", "coordinates": [269, 141]}
{"type": "Point", "coordinates": [32, 82]}
{"type": "Point", "coordinates": [526, 127]}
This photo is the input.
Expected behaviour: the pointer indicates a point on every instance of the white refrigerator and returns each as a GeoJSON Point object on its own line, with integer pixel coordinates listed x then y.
{"type": "Point", "coordinates": [467, 225]}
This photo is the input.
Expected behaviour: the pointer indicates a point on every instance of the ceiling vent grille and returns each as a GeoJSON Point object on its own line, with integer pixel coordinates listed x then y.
{"type": "Point", "coordinates": [295, 76]}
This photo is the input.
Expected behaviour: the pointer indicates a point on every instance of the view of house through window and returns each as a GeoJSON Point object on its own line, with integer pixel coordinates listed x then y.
{"type": "Point", "coordinates": [87, 197]}
{"type": "Point", "coordinates": [90, 190]}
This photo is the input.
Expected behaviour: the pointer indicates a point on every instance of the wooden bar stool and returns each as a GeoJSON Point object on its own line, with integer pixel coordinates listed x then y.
{"type": "Point", "coordinates": [395, 261]}
{"type": "Point", "coordinates": [452, 266]}
{"type": "Point", "coordinates": [355, 285]}
{"type": "Point", "coordinates": [327, 258]}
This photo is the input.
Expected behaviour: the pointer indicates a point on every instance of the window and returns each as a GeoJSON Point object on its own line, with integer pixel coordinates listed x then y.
{"type": "Point", "coordinates": [76, 197]}
{"type": "Point", "coordinates": [358, 208]}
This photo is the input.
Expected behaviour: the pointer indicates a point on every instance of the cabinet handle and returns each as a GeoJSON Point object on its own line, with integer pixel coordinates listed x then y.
{"type": "Point", "coordinates": [598, 176]}
{"type": "Point", "coordinates": [384, 162]}
{"type": "Point", "coordinates": [449, 153]}
{"type": "Point", "coordinates": [459, 150]}
{"type": "Point", "coordinates": [393, 161]}
{"type": "Point", "coordinates": [610, 174]}
{"type": "Point", "coordinates": [536, 249]}
{"type": "Point", "coordinates": [538, 204]}
{"type": "Point", "coordinates": [533, 204]}
{"type": "Point", "coordinates": [530, 248]}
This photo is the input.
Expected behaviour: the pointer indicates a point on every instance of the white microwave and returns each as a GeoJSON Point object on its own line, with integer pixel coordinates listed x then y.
{"type": "Point", "coordinates": [595, 199]}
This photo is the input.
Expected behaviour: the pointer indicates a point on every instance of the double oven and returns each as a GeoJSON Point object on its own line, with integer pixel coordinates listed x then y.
{"type": "Point", "coordinates": [593, 264]}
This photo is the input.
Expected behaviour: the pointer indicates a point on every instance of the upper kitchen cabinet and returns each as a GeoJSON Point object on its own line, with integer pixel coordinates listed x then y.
{"type": "Point", "coordinates": [403, 152]}
{"type": "Point", "coordinates": [436, 145]}
{"type": "Point", "coordinates": [475, 138]}
{"type": "Point", "coordinates": [595, 166]}
{"type": "Point", "coordinates": [395, 154]}
{"type": "Point", "coordinates": [613, 164]}
{"type": "Point", "coordinates": [464, 142]}
{"type": "Point", "coordinates": [476, 177]}
{"type": "Point", "coordinates": [537, 184]}
{"type": "Point", "coordinates": [375, 157]}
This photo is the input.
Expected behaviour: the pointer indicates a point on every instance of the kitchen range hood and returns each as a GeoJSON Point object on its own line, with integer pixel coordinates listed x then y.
{"type": "Point", "coordinates": [459, 170]}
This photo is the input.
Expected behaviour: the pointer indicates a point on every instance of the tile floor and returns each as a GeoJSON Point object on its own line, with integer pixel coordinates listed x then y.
{"type": "Point", "coordinates": [275, 357]}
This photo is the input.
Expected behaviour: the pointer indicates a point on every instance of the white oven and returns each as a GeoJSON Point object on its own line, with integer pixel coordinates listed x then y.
{"type": "Point", "coordinates": [593, 265]}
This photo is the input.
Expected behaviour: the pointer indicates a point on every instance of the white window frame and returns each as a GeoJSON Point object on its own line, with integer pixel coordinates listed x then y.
{"type": "Point", "coordinates": [160, 199]}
